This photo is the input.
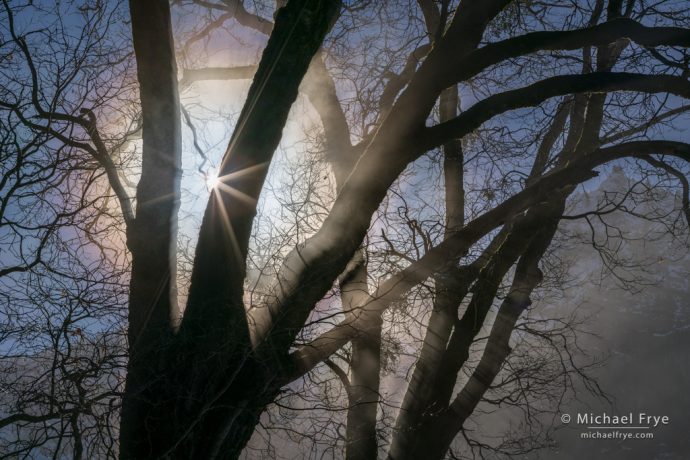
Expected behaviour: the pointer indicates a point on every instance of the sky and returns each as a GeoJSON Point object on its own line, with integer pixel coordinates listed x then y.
{"type": "Point", "coordinates": [644, 336]}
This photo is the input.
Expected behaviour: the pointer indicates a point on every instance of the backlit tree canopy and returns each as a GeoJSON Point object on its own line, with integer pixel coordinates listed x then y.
{"type": "Point", "coordinates": [319, 227]}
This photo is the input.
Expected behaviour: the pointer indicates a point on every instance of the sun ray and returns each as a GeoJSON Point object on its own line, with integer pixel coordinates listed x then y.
{"type": "Point", "coordinates": [158, 199]}
{"type": "Point", "coordinates": [225, 219]}
{"type": "Point", "coordinates": [243, 172]}
{"type": "Point", "coordinates": [222, 186]}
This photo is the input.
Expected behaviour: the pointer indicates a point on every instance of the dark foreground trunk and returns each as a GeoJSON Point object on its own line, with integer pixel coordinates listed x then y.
{"type": "Point", "coordinates": [151, 237]}
{"type": "Point", "coordinates": [198, 392]}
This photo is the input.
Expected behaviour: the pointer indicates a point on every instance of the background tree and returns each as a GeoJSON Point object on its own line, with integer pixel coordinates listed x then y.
{"type": "Point", "coordinates": [505, 106]}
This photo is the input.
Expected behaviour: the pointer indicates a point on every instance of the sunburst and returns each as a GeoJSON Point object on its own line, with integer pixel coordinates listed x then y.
{"type": "Point", "coordinates": [211, 178]}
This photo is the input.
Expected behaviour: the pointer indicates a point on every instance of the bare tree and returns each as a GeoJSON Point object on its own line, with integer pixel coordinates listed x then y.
{"type": "Point", "coordinates": [499, 109]}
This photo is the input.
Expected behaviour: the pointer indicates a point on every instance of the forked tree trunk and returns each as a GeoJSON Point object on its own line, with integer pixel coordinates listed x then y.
{"type": "Point", "coordinates": [437, 434]}
{"type": "Point", "coordinates": [198, 393]}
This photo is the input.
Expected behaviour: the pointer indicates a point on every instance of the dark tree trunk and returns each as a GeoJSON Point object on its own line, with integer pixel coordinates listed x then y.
{"type": "Point", "coordinates": [365, 368]}
{"type": "Point", "coordinates": [198, 393]}
{"type": "Point", "coordinates": [225, 384]}
{"type": "Point", "coordinates": [437, 434]}
{"type": "Point", "coordinates": [152, 236]}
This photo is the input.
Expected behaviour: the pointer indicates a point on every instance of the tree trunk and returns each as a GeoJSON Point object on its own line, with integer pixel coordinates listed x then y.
{"type": "Point", "coordinates": [225, 383]}
{"type": "Point", "coordinates": [199, 393]}
{"type": "Point", "coordinates": [449, 292]}
{"type": "Point", "coordinates": [437, 434]}
{"type": "Point", "coordinates": [364, 394]}
{"type": "Point", "coordinates": [152, 237]}
{"type": "Point", "coordinates": [365, 367]}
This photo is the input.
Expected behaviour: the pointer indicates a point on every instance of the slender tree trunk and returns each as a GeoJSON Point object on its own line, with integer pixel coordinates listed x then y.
{"type": "Point", "coordinates": [364, 394]}
{"type": "Point", "coordinates": [449, 292]}
{"type": "Point", "coordinates": [363, 389]}
{"type": "Point", "coordinates": [152, 236]}
{"type": "Point", "coordinates": [365, 366]}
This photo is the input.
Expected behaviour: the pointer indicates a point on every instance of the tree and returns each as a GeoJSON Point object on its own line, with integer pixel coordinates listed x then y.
{"type": "Point", "coordinates": [594, 79]}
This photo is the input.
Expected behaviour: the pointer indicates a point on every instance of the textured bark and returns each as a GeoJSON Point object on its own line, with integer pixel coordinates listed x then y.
{"type": "Point", "coordinates": [152, 236]}
{"type": "Point", "coordinates": [199, 393]}
{"type": "Point", "coordinates": [225, 384]}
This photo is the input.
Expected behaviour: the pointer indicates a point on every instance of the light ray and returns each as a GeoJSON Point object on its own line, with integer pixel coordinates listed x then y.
{"type": "Point", "coordinates": [222, 186]}
{"type": "Point", "coordinates": [243, 172]}
{"type": "Point", "coordinates": [225, 219]}
{"type": "Point", "coordinates": [158, 199]}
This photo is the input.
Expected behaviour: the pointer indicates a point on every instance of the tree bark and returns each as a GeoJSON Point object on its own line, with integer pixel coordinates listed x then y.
{"type": "Point", "coordinates": [436, 436]}
{"type": "Point", "coordinates": [365, 368]}
{"type": "Point", "coordinates": [199, 393]}
{"type": "Point", "coordinates": [225, 384]}
{"type": "Point", "coordinates": [152, 236]}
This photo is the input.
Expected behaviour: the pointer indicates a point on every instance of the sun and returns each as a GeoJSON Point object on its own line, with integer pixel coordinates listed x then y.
{"type": "Point", "coordinates": [212, 179]}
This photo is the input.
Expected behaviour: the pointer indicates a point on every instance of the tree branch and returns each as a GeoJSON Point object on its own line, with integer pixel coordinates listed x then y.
{"type": "Point", "coordinates": [538, 92]}
{"type": "Point", "coordinates": [391, 290]}
{"type": "Point", "coordinates": [681, 178]}
{"type": "Point", "coordinates": [478, 60]}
